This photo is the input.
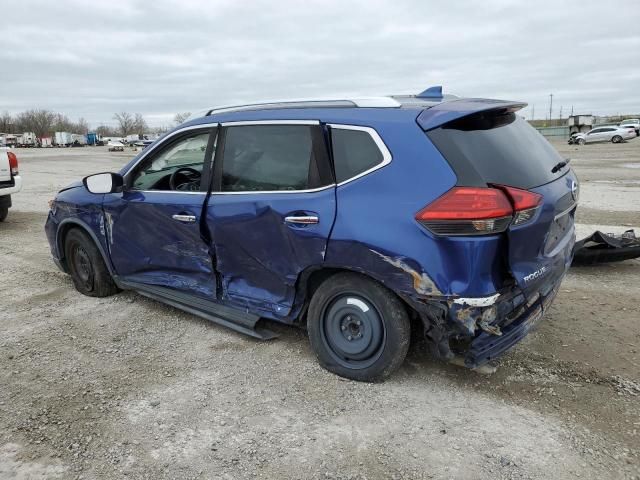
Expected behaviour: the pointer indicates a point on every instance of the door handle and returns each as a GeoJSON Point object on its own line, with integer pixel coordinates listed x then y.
{"type": "Point", "coordinates": [184, 218]}
{"type": "Point", "coordinates": [302, 219]}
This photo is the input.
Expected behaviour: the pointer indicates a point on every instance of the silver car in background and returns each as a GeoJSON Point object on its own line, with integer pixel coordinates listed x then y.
{"type": "Point", "coordinates": [609, 133]}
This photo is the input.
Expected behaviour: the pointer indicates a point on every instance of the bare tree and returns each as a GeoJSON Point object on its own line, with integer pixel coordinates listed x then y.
{"type": "Point", "coordinates": [61, 123]}
{"type": "Point", "coordinates": [126, 123]}
{"type": "Point", "coordinates": [139, 124]}
{"type": "Point", "coordinates": [82, 126]}
{"type": "Point", "coordinates": [37, 121]}
{"type": "Point", "coordinates": [6, 123]}
{"type": "Point", "coordinates": [181, 117]}
{"type": "Point", "coordinates": [106, 131]}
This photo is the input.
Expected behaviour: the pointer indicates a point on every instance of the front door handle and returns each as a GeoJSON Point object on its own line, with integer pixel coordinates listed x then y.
{"type": "Point", "coordinates": [302, 219]}
{"type": "Point", "coordinates": [184, 218]}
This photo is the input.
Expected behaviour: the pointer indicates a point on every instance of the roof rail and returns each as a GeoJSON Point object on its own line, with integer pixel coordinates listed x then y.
{"type": "Point", "coordinates": [429, 97]}
{"type": "Point", "coordinates": [371, 102]}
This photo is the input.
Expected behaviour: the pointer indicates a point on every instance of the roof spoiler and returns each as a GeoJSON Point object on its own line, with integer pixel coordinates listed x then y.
{"type": "Point", "coordinates": [446, 112]}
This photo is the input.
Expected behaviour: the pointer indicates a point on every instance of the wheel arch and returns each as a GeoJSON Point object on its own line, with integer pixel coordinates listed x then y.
{"type": "Point", "coordinates": [310, 279]}
{"type": "Point", "coordinates": [63, 230]}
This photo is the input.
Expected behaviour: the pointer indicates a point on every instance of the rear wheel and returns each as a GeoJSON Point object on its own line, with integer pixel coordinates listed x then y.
{"type": "Point", "coordinates": [616, 139]}
{"type": "Point", "coordinates": [357, 328]}
{"type": "Point", "coordinates": [88, 270]}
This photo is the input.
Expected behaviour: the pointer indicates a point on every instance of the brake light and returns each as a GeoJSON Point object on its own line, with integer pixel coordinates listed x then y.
{"type": "Point", "coordinates": [479, 211]}
{"type": "Point", "coordinates": [525, 203]}
{"type": "Point", "coordinates": [467, 211]}
{"type": "Point", "coordinates": [13, 163]}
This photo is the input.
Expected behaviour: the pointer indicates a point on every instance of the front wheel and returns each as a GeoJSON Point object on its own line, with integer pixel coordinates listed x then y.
{"type": "Point", "coordinates": [88, 270]}
{"type": "Point", "coordinates": [357, 328]}
{"type": "Point", "coordinates": [581, 141]}
{"type": "Point", "coordinates": [616, 139]}
{"type": "Point", "coordinates": [4, 211]}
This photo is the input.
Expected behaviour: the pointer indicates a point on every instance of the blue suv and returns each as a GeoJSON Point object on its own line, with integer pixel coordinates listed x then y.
{"type": "Point", "coordinates": [361, 220]}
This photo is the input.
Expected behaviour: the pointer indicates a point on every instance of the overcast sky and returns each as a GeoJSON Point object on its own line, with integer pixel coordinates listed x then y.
{"type": "Point", "coordinates": [92, 58]}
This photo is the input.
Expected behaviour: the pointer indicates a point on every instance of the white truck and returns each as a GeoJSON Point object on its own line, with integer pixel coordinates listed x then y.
{"type": "Point", "coordinates": [63, 139]}
{"type": "Point", "coordinates": [28, 139]}
{"type": "Point", "coordinates": [10, 180]}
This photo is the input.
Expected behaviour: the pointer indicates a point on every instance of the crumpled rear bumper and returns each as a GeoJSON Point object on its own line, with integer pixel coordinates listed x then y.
{"type": "Point", "coordinates": [486, 346]}
{"type": "Point", "coordinates": [478, 330]}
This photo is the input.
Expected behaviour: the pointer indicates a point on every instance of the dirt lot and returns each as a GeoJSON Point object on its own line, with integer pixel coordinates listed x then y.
{"type": "Point", "coordinates": [125, 387]}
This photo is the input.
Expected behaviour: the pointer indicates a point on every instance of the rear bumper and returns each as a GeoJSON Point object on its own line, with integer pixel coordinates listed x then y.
{"type": "Point", "coordinates": [486, 347]}
{"type": "Point", "coordinates": [15, 188]}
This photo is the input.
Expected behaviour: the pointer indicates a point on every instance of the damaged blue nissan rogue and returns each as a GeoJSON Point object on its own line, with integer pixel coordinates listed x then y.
{"type": "Point", "coordinates": [357, 219]}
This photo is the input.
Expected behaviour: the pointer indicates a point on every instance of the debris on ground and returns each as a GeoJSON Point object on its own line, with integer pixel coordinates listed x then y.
{"type": "Point", "coordinates": [606, 247]}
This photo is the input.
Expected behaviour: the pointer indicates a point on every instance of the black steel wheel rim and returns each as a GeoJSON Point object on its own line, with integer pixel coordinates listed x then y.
{"type": "Point", "coordinates": [352, 330]}
{"type": "Point", "coordinates": [82, 267]}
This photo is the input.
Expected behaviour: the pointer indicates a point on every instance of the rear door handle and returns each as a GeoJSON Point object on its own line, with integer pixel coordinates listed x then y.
{"type": "Point", "coordinates": [184, 218]}
{"type": "Point", "coordinates": [302, 219]}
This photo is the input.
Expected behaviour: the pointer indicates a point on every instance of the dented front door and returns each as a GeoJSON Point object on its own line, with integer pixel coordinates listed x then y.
{"type": "Point", "coordinates": [153, 228]}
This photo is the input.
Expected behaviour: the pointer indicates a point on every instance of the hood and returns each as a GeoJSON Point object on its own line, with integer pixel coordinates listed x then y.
{"type": "Point", "coordinates": [75, 184]}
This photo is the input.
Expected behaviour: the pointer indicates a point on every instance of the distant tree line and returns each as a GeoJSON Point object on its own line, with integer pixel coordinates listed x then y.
{"type": "Point", "coordinates": [41, 122]}
{"type": "Point", "coordinates": [44, 122]}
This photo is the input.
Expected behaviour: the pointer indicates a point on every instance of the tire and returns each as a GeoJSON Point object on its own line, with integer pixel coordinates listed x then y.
{"type": "Point", "coordinates": [357, 328]}
{"type": "Point", "coordinates": [616, 139]}
{"type": "Point", "coordinates": [581, 141]}
{"type": "Point", "coordinates": [86, 265]}
{"type": "Point", "coordinates": [4, 211]}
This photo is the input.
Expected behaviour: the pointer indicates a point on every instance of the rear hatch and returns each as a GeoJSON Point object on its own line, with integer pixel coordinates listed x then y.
{"type": "Point", "coordinates": [497, 149]}
{"type": "Point", "coordinates": [5, 169]}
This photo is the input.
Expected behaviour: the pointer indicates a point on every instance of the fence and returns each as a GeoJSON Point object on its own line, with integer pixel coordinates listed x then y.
{"type": "Point", "coordinates": [554, 133]}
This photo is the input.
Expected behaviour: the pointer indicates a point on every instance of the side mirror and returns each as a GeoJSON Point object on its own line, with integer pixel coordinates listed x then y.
{"type": "Point", "coordinates": [104, 183]}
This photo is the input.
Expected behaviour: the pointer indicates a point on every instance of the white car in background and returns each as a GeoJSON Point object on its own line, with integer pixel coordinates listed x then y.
{"type": "Point", "coordinates": [610, 133]}
{"type": "Point", "coordinates": [115, 146]}
{"type": "Point", "coordinates": [10, 180]}
{"type": "Point", "coordinates": [632, 122]}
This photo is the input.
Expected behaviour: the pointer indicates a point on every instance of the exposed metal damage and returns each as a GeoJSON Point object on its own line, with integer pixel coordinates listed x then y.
{"type": "Point", "coordinates": [422, 283]}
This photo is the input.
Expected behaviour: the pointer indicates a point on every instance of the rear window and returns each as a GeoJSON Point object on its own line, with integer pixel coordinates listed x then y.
{"type": "Point", "coordinates": [354, 152]}
{"type": "Point", "coordinates": [497, 148]}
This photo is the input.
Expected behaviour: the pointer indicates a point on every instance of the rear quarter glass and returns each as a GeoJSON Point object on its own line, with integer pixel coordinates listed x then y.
{"type": "Point", "coordinates": [496, 148]}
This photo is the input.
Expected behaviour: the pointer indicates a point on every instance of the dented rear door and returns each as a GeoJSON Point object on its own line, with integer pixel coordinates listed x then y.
{"type": "Point", "coordinates": [271, 211]}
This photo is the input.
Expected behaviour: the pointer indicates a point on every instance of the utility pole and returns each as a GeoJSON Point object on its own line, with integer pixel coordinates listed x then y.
{"type": "Point", "coordinates": [560, 112]}
{"type": "Point", "coordinates": [572, 110]}
{"type": "Point", "coordinates": [533, 112]}
{"type": "Point", "coordinates": [550, 105]}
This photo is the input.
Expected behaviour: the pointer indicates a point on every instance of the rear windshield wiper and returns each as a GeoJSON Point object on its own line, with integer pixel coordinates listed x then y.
{"type": "Point", "coordinates": [560, 165]}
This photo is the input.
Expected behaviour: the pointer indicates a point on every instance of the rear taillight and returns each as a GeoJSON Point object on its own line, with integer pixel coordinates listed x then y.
{"type": "Point", "coordinates": [467, 211]}
{"type": "Point", "coordinates": [479, 211]}
{"type": "Point", "coordinates": [13, 163]}
{"type": "Point", "coordinates": [525, 203]}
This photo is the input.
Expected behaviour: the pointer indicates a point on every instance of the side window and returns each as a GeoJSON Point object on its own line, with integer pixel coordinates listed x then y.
{"type": "Point", "coordinates": [354, 152]}
{"type": "Point", "coordinates": [595, 130]}
{"type": "Point", "coordinates": [178, 166]}
{"type": "Point", "coordinates": [269, 157]}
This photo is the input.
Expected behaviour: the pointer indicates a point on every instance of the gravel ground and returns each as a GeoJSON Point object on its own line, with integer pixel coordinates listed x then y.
{"type": "Point", "coordinates": [125, 387]}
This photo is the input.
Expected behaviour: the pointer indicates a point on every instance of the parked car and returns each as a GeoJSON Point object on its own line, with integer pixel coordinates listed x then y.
{"type": "Point", "coordinates": [10, 180]}
{"type": "Point", "coordinates": [572, 138]}
{"type": "Point", "coordinates": [612, 134]}
{"type": "Point", "coordinates": [115, 146]}
{"type": "Point", "coordinates": [632, 122]}
{"type": "Point", "coordinates": [351, 218]}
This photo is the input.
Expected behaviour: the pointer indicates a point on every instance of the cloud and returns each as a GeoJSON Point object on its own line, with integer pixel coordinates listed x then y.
{"type": "Point", "coordinates": [91, 59]}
